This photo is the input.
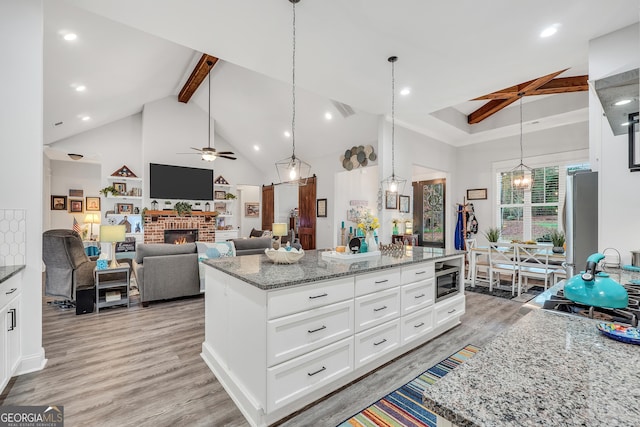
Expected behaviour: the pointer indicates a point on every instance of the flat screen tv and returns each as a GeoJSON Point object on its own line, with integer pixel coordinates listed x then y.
{"type": "Point", "coordinates": [179, 182]}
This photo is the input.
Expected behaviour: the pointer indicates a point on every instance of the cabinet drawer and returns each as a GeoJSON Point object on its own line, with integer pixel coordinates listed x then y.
{"type": "Point", "coordinates": [417, 324]}
{"type": "Point", "coordinates": [376, 342]}
{"type": "Point", "coordinates": [449, 309]}
{"type": "Point", "coordinates": [417, 273]}
{"type": "Point", "coordinates": [373, 282]}
{"type": "Point", "coordinates": [375, 309]}
{"type": "Point", "coordinates": [294, 335]}
{"type": "Point", "coordinates": [289, 301]}
{"type": "Point", "coordinates": [9, 289]}
{"type": "Point", "coordinates": [291, 380]}
{"type": "Point", "coordinates": [417, 295]}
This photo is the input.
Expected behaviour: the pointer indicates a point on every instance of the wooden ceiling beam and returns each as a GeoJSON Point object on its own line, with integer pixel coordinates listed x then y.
{"type": "Point", "coordinates": [199, 73]}
{"type": "Point", "coordinates": [544, 85]}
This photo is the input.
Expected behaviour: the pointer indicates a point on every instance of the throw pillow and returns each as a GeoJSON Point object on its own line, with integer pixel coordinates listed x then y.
{"type": "Point", "coordinates": [215, 249]}
{"type": "Point", "coordinates": [267, 233]}
{"type": "Point", "coordinates": [256, 233]}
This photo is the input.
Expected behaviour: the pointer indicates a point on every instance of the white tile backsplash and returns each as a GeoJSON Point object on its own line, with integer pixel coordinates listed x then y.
{"type": "Point", "coordinates": [12, 237]}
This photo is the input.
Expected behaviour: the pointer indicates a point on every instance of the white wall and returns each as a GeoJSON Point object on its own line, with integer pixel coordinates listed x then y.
{"type": "Point", "coordinates": [475, 164]}
{"type": "Point", "coordinates": [285, 199]}
{"type": "Point", "coordinates": [66, 175]}
{"type": "Point", "coordinates": [21, 160]}
{"type": "Point", "coordinates": [618, 207]}
{"type": "Point", "coordinates": [248, 194]}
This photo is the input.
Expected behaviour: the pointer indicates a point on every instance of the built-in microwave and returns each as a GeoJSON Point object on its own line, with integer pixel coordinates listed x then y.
{"type": "Point", "coordinates": [447, 281]}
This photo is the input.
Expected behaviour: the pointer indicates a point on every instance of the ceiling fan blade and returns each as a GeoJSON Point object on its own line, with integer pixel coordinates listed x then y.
{"type": "Point", "coordinates": [224, 152]}
{"type": "Point", "coordinates": [227, 157]}
{"type": "Point", "coordinates": [189, 153]}
{"type": "Point", "coordinates": [197, 149]}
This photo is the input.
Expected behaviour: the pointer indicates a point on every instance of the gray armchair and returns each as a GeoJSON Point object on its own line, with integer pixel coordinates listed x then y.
{"type": "Point", "coordinates": [68, 268]}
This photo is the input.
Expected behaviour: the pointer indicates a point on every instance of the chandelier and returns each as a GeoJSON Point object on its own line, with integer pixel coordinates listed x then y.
{"type": "Point", "coordinates": [521, 174]}
{"type": "Point", "coordinates": [393, 183]}
{"type": "Point", "coordinates": [293, 170]}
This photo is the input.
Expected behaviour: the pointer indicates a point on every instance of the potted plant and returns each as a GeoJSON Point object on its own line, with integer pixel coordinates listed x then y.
{"type": "Point", "coordinates": [182, 208]}
{"type": "Point", "coordinates": [492, 234]}
{"type": "Point", "coordinates": [110, 189]}
{"type": "Point", "coordinates": [230, 196]}
{"type": "Point", "coordinates": [557, 239]}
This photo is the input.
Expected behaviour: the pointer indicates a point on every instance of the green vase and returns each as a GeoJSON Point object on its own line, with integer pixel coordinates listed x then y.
{"type": "Point", "coordinates": [395, 229]}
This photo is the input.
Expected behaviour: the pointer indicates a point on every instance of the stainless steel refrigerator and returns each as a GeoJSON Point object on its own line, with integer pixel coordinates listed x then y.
{"type": "Point", "coordinates": [581, 219]}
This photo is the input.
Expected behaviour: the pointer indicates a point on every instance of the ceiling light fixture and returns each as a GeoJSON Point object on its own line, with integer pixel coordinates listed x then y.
{"type": "Point", "coordinates": [393, 183]}
{"type": "Point", "coordinates": [70, 37]}
{"type": "Point", "coordinates": [405, 91]}
{"type": "Point", "coordinates": [287, 134]}
{"type": "Point", "coordinates": [293, 170]}
{"type": "Point", "coordinates": [75, 156]}
{"type": "Point", "coordinates": [521, 174]}
{"type": "Point", "coordinates": [622, 102]}
{"type": "Point", "coordinates": [81, 88]}
{"type": "Point", "coordinates": [549, 31]}
{"type": "Point", "coordinates": [86, 118]}
{"type": "Point", "coordinates": [256, 147]}
{"type": "Point", "coordinates": [328, 115]}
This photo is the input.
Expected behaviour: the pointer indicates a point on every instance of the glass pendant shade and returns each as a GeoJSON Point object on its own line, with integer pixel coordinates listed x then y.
{"type": "Point", "coordinates": [521, 174]}
{"type": "Point", "coordinates": [293, 171]}
{"type": "Point", "coordinates": [394, 184]}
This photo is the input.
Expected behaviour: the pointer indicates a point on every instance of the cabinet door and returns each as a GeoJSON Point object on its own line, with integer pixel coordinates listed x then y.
{"type": "Point", "coordinates": [4, 372]}
{"type": "Point", "coordinates": [13, 335]}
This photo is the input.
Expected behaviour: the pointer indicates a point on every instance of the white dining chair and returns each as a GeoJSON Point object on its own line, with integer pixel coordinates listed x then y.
{"type": "Point", "coordinates": [502, 260]}
{"type": "Point", "coordinates": [469, 244]}
{"type": "Point", "coordinates": [533, 261]}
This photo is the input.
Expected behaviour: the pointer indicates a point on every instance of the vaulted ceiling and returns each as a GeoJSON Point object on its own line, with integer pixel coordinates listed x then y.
{"type": "Point", "coordinates": [130, 53]}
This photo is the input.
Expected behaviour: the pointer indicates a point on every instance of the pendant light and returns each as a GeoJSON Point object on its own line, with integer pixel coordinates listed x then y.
{"type": "Point", "coordinates": [393, 183]}
{"type": "Point", "coordinates": [293, 170]}
{"type": "Point", "coordinates": [521, 174]}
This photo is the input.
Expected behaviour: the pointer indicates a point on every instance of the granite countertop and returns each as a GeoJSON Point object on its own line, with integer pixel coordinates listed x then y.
{"type": "Point", "coordinates": [548, 369]}
{"type": "Point", "coordinates": [259, 271]}
{"type": "Point", "coordinates": [9, 270]}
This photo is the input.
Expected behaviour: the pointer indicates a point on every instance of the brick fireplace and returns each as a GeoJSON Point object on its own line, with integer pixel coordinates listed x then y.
{"type": "Point", "coordinates": [178, 237]}
{"type": "Point", "coordinates": [156, 222]}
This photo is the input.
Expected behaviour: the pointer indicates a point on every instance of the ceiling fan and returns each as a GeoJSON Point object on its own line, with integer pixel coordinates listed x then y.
{"type": "Point", "coordinates": [208, 153]}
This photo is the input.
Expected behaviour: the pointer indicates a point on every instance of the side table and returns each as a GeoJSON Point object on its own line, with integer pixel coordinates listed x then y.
{"type": "Point", "coordinates": [112, 279]}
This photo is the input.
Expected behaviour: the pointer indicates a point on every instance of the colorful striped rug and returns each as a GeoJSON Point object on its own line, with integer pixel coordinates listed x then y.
{"type": "Point", "coordinates": [403, 407]}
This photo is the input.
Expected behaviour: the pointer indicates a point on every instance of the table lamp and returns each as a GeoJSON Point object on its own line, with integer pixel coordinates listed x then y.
{"type": "Point", "coordinates": [408, 227]}
{"type": "Point", "coordinates": [112, 234]}
{"type": "Point", "coordinates": [92, 219]}
{"type": "Point", "coordinates": [279, 229]}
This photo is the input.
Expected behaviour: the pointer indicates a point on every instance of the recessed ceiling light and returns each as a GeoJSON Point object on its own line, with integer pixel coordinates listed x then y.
{"type": "Point", "coordinates": [70, 36]}
{"type": "Point", "coordinates": [287, 134]}
{"type": "Point", "coordinates": [328, 115]}
{"type": "Point", "coordinates": [81, 88]}
{"type": "Point", "coordinates": [622, 102]}
{"type": "Point", "coordinates": [85, 118]}
{"type": "Point", "coordinates": [405, 91]}
{"type": "Point", "coordinates": [256, 147]}
{"type": "Point", "coordinates": [549, 31]}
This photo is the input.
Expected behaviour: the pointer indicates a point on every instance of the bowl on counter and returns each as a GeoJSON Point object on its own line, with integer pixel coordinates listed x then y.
{"type": "Point", "coordinates": [283, 256]}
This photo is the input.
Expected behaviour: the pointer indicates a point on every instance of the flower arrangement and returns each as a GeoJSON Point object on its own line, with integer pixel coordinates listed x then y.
{"type": "Point", "coordinates": [368, 222]}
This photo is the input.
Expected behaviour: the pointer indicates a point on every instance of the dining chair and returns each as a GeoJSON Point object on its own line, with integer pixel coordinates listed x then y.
{"type": "Point", "coordinates": [469, 245]}
{"type": "Point", "coordinates": [533, 261]}
{"type": "Point", "coordinates": [502, 260]}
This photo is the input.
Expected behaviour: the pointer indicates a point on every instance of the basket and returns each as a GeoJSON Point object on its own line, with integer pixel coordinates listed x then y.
{"type": "Point", "coordinates": [282, 256]}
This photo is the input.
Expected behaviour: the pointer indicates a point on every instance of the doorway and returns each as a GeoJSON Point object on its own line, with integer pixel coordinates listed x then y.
{"type": "Point", "coordinates": [429, 216]}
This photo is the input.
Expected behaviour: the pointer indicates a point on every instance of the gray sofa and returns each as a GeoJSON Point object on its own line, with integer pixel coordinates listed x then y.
{"type": "Point", "coordinates": [253, 245]}
{"type": "Point", "coordinates": [165, 271]}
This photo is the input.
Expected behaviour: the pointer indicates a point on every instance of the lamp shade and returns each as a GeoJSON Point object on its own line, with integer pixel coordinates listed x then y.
{"type": "Point", "coordinates": [112, 233]}
{"type": "Point", "coordinates": [279, 229]}
{"type": "Point", "coordinates": [92, 219]}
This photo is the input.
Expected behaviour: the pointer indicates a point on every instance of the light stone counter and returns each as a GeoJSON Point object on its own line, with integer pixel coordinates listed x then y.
{"type": "Point", "coordinates": [9, 271]}
{"type": "Point", "coordinates": [259, 271]}
{"type": "Point", "coordinates": [549, 369]}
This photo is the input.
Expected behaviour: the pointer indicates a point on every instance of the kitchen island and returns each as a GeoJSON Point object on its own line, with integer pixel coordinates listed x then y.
{"type": "Point", "coordinates": [549, 369]}
{"type": "Point", "coordinates": [279, 337]}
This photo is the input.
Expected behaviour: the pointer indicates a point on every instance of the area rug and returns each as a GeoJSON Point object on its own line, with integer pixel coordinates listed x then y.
{"type": "Point", "coordinates": [403, 407]}
{"type": "Point", "coordinates": [504, 291]}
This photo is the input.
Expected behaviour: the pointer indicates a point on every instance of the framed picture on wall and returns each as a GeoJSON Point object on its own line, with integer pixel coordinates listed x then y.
{"type": "Point", "coordinates": [58, 203]}
{"type": "Point", "coordinates": [219, 195]}
{"type": "Point", "coordinates": [75, 206]}
{"type": "Point", "coordinates": [404, 204]}
{"type": "Point", "coordinates": [121, 187]}
{"type": "Point", "coordinates": [124, 208]}
{"type": "Point", "coordinates": [477, 194]}
{"type": "Point", "coordinates": [391, 200]}
{"type": "Point", "coordinates": [92, 204]}
{"type": "Point", "coordinates": [321, 208]}
{"type": "Point", "coordinates": [252, 209]}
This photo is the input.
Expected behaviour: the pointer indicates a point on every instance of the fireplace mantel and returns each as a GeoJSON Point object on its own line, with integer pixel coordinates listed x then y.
{"type": "Point", "coordinates": [174, 213]}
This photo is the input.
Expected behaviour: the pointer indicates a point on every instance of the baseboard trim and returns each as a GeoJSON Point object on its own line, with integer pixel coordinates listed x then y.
{"type": "Point", "coordinates": [32, 363]}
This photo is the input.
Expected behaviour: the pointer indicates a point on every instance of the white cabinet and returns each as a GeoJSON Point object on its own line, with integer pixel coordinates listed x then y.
{"type": "Point", "coordinates": [10, 345]}
{"type": "Point", "coordinates": [377, 308]}
{"type": "Point", "coordinates": [377, 341]}
{"type": "Point", "coordinates": [224, 235]}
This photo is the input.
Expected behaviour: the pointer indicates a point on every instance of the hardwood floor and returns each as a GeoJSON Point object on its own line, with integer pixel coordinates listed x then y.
{"type": "Point", "coordinates": [142, 367]}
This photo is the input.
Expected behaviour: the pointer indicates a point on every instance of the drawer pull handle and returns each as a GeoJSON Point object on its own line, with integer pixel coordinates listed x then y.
{"type": "Point", "coordinates": [380, 309]}
{"type": "Point", "coordinates": [316, 330]}
{"type": "Point", "coordinates": [384, 340]}
{"type": "Point", "coordinates": [377, 282]}
{"type": "Point", "coordinates": [11, 291]}
{"type": "Point", "coordinates": [419, 325]}
{"type": "Point", "coordinates": [420, 272]}
{"type": "Point", "coordinates": [419, 296]}
{"type": "Point", "coordinates": [452, 311]}
{"type": "Point", "coordinates": [318, 296]}
{"type": "Point", "coordinates": [316, 372]}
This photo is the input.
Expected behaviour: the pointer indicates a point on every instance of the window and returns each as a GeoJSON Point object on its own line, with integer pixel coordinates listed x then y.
{"type": "Point", "coordinates": [533, 214]}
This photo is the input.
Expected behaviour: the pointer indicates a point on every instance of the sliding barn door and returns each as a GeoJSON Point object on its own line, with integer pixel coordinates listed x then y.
{"type": "Point", "coordinates": [307, 212]}
{"type": "Point", "coordinates": [267, 206]}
